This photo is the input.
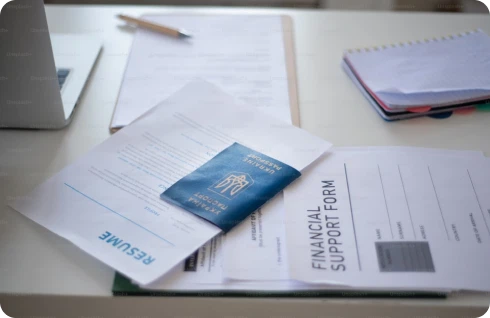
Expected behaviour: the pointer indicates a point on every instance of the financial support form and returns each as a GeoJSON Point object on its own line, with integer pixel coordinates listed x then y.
{"type": "Point", "coordinates": [257, 249]}
{"type": "Point", "coordinates": [391, 220]}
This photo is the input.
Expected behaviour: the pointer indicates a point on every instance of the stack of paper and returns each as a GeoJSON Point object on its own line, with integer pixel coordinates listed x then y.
{"type": "Point", "coordinates": [359, 219]}
{"type": "Point", "coordinates": [371, 219]}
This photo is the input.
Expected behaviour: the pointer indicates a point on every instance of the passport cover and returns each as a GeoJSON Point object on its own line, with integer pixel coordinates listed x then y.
{"type": "Point", "coordinates": [230, 186]}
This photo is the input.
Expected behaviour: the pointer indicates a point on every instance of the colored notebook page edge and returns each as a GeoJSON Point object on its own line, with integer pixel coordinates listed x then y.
{"type": "Point", "coordinates": [402, 115]}
{"type": "Point", "coordinates": [384, 114]}
{"type": "Point", "coordinates": [378, 101]}
{"type": "Point", "coordinates": [419, 109]}
{"type": "Point", "coordinates": [397, 115]}
{"type": "Point", "coordinates": [480, 99]}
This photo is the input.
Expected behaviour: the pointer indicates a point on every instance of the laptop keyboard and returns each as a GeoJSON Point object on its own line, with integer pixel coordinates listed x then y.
{"type": "Point", "coordinates": [62, 75]}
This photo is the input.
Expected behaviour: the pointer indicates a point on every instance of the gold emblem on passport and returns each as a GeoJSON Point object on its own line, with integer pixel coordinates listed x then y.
{"type": "Point", "coordinates": [232, 184]}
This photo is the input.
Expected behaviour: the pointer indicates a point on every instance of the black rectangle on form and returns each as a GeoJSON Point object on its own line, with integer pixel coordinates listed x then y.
{"type": "Point", "coordinates": [404, 257]}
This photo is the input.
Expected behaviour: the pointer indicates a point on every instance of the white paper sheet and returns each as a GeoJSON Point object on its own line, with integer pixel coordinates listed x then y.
{"type": "Point", "coordinates": [256, 249]}
{"type": "Point", "coordinates": [107, 203]}
{"type": "Point", "coordinates": [243, 55]}
{"type": "Point", "coordinates": [207, 279]}
{"type": "Point", "coordinates": [347, 204]}
{"type": "Point", "coordinates": [412, 150]}
{"type": "Point", "coordinates": [204, 267]}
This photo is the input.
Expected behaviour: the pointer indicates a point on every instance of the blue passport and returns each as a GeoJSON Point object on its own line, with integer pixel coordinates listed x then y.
{"type": "Point", "coordinates": [230, 186]}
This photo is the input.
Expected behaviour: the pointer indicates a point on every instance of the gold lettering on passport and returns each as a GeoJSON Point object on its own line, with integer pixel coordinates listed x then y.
{"type": "Point", "coordinates": [262, 164]}
{"type": "Point", "coordinates": [232, 184]}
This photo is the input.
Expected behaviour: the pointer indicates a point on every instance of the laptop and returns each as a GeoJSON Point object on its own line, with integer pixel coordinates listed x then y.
{"type": "Point", "coordinates": [42, 75]}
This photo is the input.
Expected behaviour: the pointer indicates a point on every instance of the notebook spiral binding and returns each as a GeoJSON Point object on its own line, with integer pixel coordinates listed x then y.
{"type": "Point", "coordinates": [403, 44]}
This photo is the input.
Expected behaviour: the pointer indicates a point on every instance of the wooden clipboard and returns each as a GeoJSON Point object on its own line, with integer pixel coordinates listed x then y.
{"type": "Point", "coordinates": [290, 60]}
{"type": "Point", "coordinates": [288, 40]}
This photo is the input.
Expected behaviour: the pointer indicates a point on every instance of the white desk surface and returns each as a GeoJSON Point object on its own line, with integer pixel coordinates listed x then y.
{"type": "Point", "coordinates": [34, 261]}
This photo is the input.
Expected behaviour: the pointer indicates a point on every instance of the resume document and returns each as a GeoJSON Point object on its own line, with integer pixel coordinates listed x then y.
{"type": "Point", "coordinates": [107, 202]}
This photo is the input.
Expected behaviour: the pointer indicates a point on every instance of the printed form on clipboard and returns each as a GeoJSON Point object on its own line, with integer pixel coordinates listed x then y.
{"type": "Point", "coordinates": [249, 57]}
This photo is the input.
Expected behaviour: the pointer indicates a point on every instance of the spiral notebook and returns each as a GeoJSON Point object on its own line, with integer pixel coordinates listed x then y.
{"type": "Point", "coordinates": [415, 78]}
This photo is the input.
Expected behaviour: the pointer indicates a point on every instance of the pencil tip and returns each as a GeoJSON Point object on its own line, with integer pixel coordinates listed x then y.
{"type": "Point", "coordinates": [184, 34]}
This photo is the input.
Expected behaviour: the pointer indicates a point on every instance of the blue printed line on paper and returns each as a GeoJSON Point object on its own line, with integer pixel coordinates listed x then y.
{"type": "Point", "coordinates": [109, 209]}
